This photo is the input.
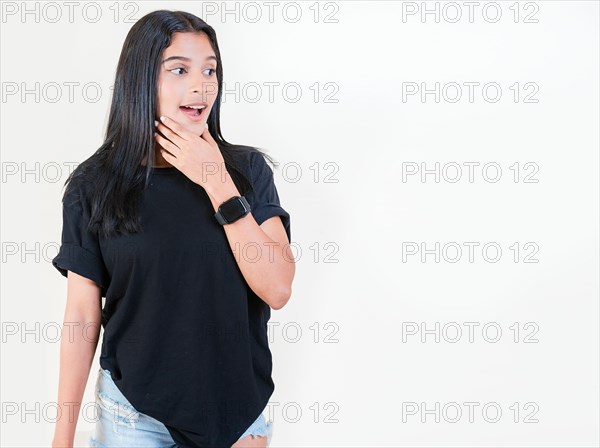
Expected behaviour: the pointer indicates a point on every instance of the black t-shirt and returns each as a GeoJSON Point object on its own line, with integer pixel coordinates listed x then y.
{"type": "Point", "coordinates": [185, 337]}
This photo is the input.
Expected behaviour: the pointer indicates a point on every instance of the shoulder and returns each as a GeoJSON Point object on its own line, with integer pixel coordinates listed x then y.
{"type": "Point", "coordinates": [253, 164]}
{"type": "Point", "coordinates": [79, 186]}
{"type": "Point", "coordinates": [260, 170]}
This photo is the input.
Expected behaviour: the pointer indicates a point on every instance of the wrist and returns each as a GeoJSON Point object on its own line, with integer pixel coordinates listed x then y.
{"type": "Point", "coordinates": [233, 210]}
{"type": "Point", "coordinates": [220, 192]}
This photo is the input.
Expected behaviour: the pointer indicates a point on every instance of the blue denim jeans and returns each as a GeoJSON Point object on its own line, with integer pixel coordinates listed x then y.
{"type": "Point", "coordinates": [119, 424]}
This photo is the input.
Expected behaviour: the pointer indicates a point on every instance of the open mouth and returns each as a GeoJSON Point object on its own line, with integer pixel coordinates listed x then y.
{"type": "Point", "coordinates": [195, 111]}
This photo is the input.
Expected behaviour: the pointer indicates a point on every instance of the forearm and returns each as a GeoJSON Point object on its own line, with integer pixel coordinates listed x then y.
{"type": "Point", "coordinates": [267, 267]}
{"type": "Point", "coordinates": [79, 339]}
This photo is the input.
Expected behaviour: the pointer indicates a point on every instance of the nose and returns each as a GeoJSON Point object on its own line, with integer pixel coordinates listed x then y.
{"type": "Point", "coordinates": [205, 92]}
{"type": "Point", "coordinates": [203, 87]}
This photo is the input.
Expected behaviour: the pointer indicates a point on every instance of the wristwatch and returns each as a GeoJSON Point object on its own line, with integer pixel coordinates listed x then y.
{"type": "Point", "coordinates": [232, 209]}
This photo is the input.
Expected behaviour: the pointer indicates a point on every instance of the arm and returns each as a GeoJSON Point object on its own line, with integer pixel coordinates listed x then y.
{"type": "Point", "coordinates": [77, 348]}
{"type": "Point", "coordinates": [269, 274]}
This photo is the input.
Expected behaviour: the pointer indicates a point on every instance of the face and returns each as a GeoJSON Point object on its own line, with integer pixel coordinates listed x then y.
{"type": "Point", "coordinates": [188, 77]}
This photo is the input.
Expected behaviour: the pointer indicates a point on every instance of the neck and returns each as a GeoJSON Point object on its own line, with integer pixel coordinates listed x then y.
{"type": "Point", "coordinates": [159, 161]}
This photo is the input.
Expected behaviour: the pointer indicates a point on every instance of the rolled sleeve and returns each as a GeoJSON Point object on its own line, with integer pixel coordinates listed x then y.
{"type": "Point", "coordinates": [265, 199]}
{"type": "Point", "coordinates": [80, 250]}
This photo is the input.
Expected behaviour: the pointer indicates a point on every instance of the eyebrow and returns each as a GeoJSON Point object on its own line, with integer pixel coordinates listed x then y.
{"type": "Point", "coordinates": [183, 58]}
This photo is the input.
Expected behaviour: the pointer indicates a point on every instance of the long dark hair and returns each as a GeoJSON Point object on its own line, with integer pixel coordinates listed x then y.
{"type": "Point", "coordinates": [116, 169]}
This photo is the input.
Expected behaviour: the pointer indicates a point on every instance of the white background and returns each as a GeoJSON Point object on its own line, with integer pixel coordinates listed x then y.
{"type": "Point", "coordinates": [356, 283]}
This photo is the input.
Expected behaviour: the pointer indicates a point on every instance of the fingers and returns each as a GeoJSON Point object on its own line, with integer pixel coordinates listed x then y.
{"type": "Point", "coordinates": [173, 130]}
{"type": "Point", "coordinates": [166, 144]}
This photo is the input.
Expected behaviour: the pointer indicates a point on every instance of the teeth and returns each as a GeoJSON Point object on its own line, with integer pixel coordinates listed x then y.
{"type": "Point", "coordinates": [195, 107]}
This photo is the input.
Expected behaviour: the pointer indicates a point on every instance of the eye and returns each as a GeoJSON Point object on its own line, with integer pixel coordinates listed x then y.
{"type": "Point", "coordinates": [212, 70]}
{"type": "Point", "coordinates": [178, 68]}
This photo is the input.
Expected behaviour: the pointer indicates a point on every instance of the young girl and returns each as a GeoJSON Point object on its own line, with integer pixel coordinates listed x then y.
{"type": "Point", "coordinates": [184, 235]}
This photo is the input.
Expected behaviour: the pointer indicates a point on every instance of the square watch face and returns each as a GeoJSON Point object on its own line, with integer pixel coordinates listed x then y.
{"type": "Point", "coordinates": [232, 208]}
